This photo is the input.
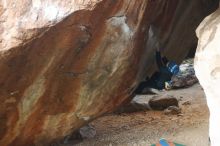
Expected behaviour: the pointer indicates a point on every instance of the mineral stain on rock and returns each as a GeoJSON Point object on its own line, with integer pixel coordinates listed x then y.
{"type": "Point", "coordinates": [72, 61]}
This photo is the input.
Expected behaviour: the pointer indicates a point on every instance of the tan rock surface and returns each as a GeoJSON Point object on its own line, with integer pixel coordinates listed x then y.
{"type": "Point", "coordinates": [64, 63]}
{"type": "Point", "coordinates": [207, 66]}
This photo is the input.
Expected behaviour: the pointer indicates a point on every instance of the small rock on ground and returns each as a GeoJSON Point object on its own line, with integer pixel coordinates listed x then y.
{"type": "Point", "coordinates": [172, 110]}
{"type": "Point", "coordinates": [87, 131]}
{"type": "Point", "coordinates": [162, 102]}
{"type": "Point", "coordinates": [138, 103]}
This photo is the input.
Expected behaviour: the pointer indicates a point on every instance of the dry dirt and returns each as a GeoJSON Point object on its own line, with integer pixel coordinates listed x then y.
{"type": "Point", "coordinates": [147, 127]}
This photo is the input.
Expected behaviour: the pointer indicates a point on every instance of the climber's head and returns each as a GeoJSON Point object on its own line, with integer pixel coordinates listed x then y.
{"type": "Point", "coordinates": [173, 67]}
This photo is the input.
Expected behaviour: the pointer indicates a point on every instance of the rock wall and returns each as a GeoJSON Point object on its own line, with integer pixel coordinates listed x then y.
{"type": "Point", "coordinates": [207, 66]}
{"type": "Point", "coordinates": [64, 63]}
{"type": "Point", "coordinates": [173, 28]}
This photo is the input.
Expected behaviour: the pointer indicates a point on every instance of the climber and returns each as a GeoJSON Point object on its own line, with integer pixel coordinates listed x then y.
{"type": "Point", "coordinates": [161, 79]}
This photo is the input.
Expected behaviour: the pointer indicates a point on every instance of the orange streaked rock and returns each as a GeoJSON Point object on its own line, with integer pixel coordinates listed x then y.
{"type": "Point", "coordinates": [64, 63]}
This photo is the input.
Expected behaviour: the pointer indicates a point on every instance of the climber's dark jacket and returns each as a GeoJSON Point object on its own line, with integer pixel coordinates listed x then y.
{"type": "Point", "coordinates": [166, 71]}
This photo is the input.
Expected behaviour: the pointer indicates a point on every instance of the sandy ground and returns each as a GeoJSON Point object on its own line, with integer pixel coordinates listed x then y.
{"type": "Point", "coordinates": [147, 127]}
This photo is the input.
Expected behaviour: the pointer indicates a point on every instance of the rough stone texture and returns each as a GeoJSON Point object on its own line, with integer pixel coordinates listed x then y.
{"type": "Point", "coordinates": [71, 72]}
{"type": "Point", "coordinates": [162, 102]}
{"type": "Point", "coordinates": [172, 110]}
{"type": "Point", "coordinates": [207, 67]}
{"type": "Point", "coordinates": [186, 77]}
{"type": "Point", "coordinates": [138, 103]}
{"type": "Point", "coordinates": [87, 131]}
{"type": "Point", "coordinates": [64, 63]}
{"type": "Point", "coordinates": [147, 102]}
{"type": "Point", "coordinates": [24, 19]}
{"type": "Point", "coordinates": [173, 28]}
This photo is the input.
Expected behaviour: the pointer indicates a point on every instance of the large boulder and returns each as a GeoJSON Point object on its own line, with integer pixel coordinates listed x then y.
{"type": "Point", "coordinates": [64, 63]}
{"type": "Point", "coordinates": [207, 67]}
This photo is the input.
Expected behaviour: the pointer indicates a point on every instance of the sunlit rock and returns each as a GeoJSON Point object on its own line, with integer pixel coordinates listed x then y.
{"type": "Point", "coordinates": [207, 67]}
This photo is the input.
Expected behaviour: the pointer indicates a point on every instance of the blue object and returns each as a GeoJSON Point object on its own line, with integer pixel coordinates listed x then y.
{"type": "Point", "coordinates": [173, 67]}
{"type": "Point", "coordinates": [163, 142]}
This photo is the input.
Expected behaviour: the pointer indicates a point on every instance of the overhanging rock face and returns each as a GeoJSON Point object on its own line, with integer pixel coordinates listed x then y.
{"type": "Point", "coordinates": [64, 63]}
